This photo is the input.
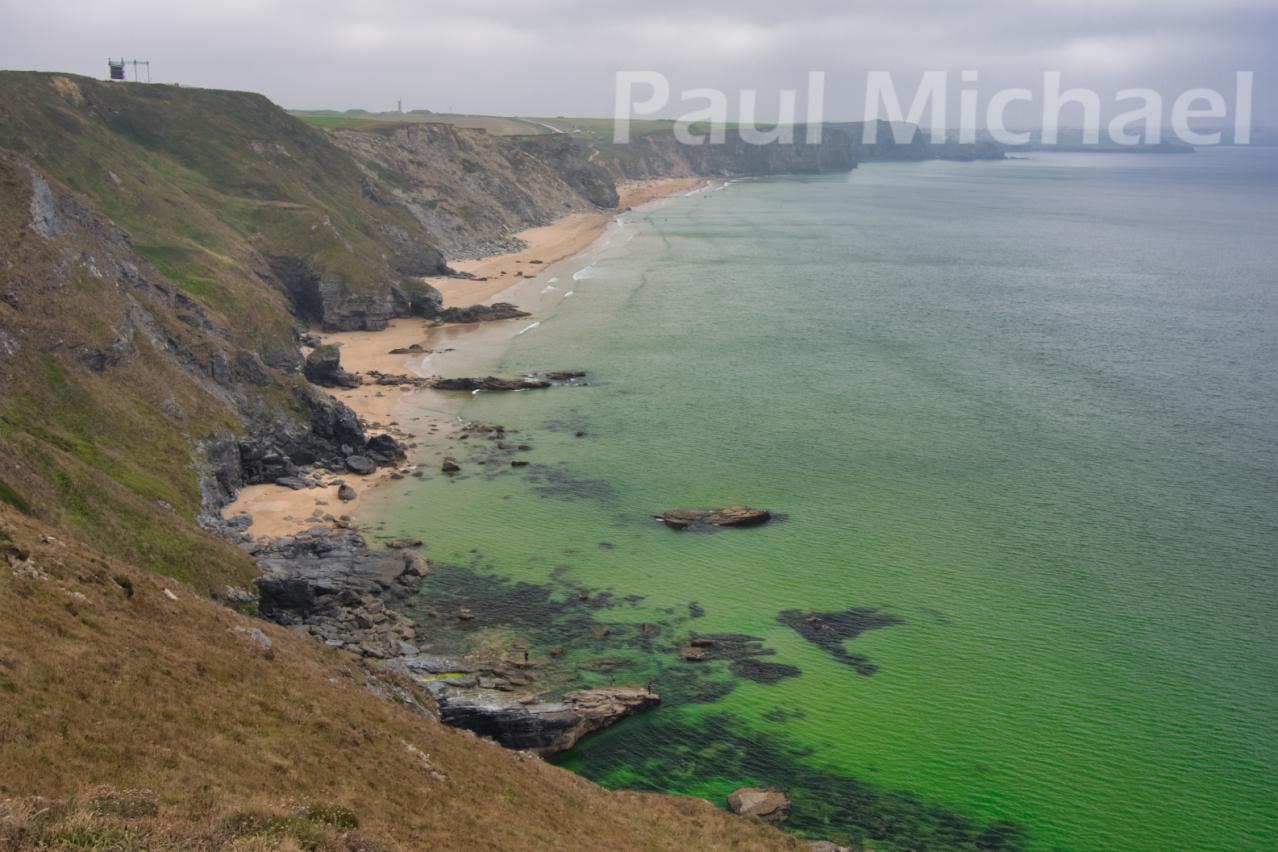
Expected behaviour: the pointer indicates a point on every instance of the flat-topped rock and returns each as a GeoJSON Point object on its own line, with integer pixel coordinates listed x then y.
{"type": "Point", "coordinates": [730, 516]}
{"type": "Point", "coordinates": [539, 726]}
{"type": "Point", "coordinates": [766, 803]}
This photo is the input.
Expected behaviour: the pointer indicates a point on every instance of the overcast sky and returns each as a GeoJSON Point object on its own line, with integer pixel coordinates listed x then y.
{"type": "Point", "coordinates": [558, 57]}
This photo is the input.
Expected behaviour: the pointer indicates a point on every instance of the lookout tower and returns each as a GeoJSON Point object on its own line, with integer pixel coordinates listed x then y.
{"type": "Point", "coordinates": [116, 69]}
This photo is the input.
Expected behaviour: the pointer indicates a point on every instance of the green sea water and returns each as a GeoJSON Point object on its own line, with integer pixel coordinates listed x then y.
{"type": "Point", "coordinates": [1028, 410]}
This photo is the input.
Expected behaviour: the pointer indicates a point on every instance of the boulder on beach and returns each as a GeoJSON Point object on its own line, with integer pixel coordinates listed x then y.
{"type": "Point", "coordinates": [323, 367]}
{"type": "Point", "coordinates": [730, 516]}
{"type": "Point", "coordinates": [361, 465]}
{"type": "Point", "coordinates": [346, 494]}
{"type": "Point", "coordinates": [766, 803]}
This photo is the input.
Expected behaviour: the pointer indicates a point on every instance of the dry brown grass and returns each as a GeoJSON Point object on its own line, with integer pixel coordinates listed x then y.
{"type": "Point", "coordinates": [106, 680]}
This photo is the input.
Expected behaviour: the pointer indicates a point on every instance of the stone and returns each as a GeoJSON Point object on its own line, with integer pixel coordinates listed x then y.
{"type": "Point", "coordinates": [361, 465]}
{"type": "Point", "coordinates": [766, 803]}
{"type": "Point", "coordinates": [346, 494]}
{"type": "Point", "coordinates": [449, 466]}
{"type": "Point", "coordinates": [403, 543]}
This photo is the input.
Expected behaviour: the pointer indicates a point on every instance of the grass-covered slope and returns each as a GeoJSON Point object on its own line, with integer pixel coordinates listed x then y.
{"type": "Point", "coordinates": [214, 187]}
{"type": "Point", "coordinates": [206, 738]}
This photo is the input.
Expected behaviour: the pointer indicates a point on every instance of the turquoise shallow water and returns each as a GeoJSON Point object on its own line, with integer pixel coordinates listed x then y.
{"type": "Point", "coordinates": [1026, 408]}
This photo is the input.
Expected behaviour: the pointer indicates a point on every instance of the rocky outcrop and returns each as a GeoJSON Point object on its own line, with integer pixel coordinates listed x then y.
{"type": "Point", "coordinates": [481, 313]}
{"type": "Point", "coordinates": [539, 726]}
{"type": "Point", "coordinates": [489, 383]}
{"type": "Point", "coordinates": [338, 588]}
{"type": "Point", "coordinates": [323, 367]}
{"type": "Point", "coordinates": [766, 803]}
{"type": "Point", "coordinates": [731, 516]}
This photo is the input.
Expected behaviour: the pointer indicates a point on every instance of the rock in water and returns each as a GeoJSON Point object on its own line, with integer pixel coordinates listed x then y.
{"type": "Point", "coordinates": [449, 466]}
{"type": "Point", "coordinates": [730, 516]}
{"type": "Point", "coordinates": [543, 727]}
{"type": "Point", "coordinates": [323, 367]}
{"type": "Point", "coordinates": [489, 383]}
{"type": "Point", "coordinates": [481, 313]}
{"type": "Point", "coordinates": [766, 803]}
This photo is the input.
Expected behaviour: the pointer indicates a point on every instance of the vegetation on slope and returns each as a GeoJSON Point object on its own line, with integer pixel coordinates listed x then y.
{"type": "Point", "coordinates": [208, 734]}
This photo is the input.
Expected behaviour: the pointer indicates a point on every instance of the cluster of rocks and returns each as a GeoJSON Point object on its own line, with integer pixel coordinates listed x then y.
{"type": "Point", "coordinates": [532, 381]}
{"type": "Point", "coordinates": [480, 313]}
{"type": "Point", "coordinates": [731, 516]}
{"type": "Point", "coordinates": [395, 379]}
{"type": "Point", "coordinates": [339, 590]}
{"type": "Point", "coordinates": [489, 383]}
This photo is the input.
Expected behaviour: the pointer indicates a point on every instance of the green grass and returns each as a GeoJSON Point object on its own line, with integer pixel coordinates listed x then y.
{"type": "Point", "coordinates": [14, 499]}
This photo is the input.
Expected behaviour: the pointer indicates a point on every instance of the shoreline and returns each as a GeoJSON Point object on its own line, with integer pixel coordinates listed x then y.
{"type": "Point", "coordinates": [422, 418]}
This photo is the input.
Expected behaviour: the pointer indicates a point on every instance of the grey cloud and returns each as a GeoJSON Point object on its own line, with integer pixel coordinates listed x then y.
{"type": "Point", "coordinates": [553, 57]}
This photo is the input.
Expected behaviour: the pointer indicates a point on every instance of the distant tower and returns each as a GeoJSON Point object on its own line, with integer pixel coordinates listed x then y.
{"type": "Point", "coordinates": [400, 106]}
{"type": "Point", "coordinates": [116, 68]}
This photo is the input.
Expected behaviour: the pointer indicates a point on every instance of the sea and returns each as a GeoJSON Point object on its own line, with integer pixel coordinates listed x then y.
{"type": "Point", "coordinates": [1018, 426]}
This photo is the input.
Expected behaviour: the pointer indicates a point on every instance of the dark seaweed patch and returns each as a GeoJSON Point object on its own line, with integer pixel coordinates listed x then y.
{"type": "Point", "coordinates": [763, 672]}
{"type": "Point", "coordinates": [675, 753]}
{"type": "Point", "coordinates": [696, 610]}
{"type": "Point", "coordinates": [829, 630]}
{"type": "Point", "coordinates": [559, 484]}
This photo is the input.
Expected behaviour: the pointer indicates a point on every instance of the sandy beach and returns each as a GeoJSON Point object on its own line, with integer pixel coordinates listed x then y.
{"type": "Point", "coordinates": [421, 418]}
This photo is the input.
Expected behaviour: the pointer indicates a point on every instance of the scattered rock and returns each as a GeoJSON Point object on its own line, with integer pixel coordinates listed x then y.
{"type": "Point", "coordinates": [518, 463]}
{"type": "Point", "coordinates": [403, 543]}
{"type": "Point", "coordinates": [565, 375]}
{"type": "Point", "coordinates": [346, 494]}
{"type": "Point", "coordinates": [766, 803]}
{"type": "Point", "coordinates": [464, 614]}
{"type": "Point", "coordinates": [449, 466]}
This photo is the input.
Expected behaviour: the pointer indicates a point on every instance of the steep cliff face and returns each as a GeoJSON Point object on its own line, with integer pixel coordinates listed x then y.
{"type": "Point", "coordinates": [917, 146]}
{"type": "Point", "coordinates": [471, 190]}
{"type": "Point", "coordinates": [130, 406]}
{"type": "Point", "coordinates": [225, 193]}
{"type": "Point", "coordinates": [660, 154]}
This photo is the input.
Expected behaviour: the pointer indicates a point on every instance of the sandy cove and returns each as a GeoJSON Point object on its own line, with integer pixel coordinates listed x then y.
{"type": "Point", "coordinates": [423, 425]}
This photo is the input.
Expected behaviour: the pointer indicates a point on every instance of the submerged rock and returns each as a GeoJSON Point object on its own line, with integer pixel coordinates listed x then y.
{"type": "Point", "coordinates": [766, 803]}
{"type": "Point", "coordinates": [730, 516]}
